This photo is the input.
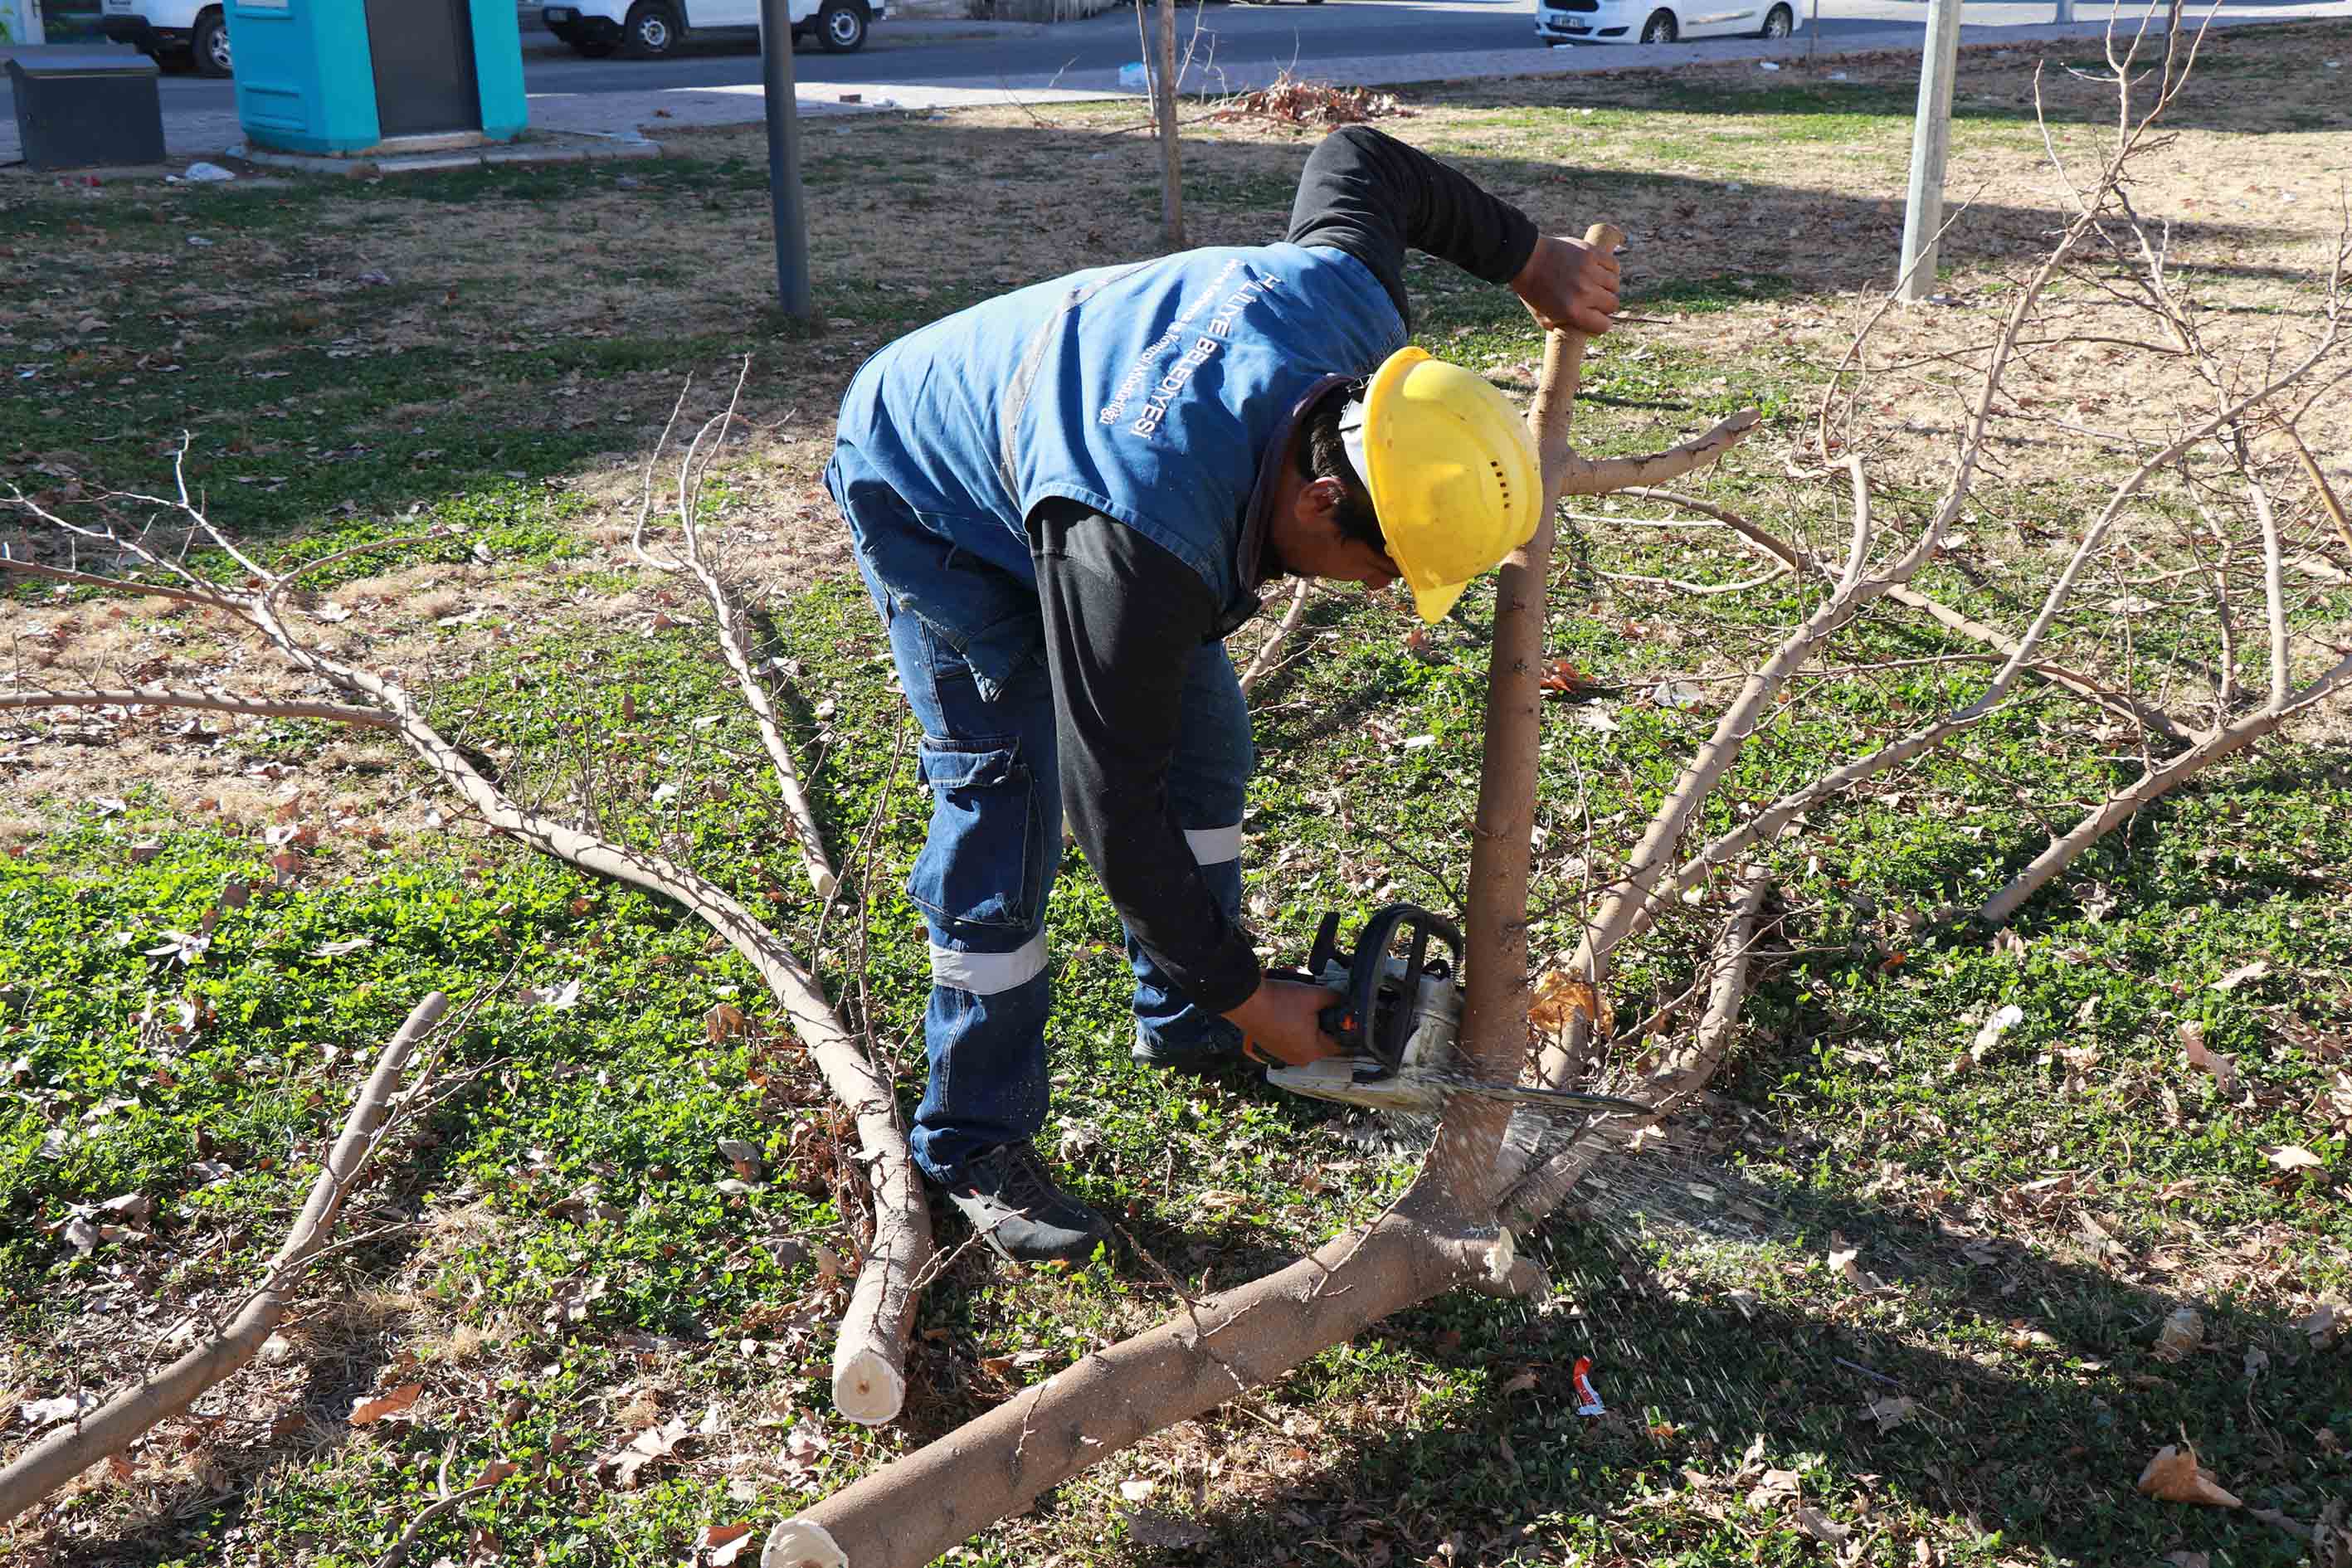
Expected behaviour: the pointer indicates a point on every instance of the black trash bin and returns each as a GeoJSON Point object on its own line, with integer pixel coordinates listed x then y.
{"type": "Point", "coordinates": [85, 109]}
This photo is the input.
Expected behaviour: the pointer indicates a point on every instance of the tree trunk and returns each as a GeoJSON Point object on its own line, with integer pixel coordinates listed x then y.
{"type": "Point", "coordinates": [1163, 112]}
{"type": "Point", "coordinates": [1440, 1235]}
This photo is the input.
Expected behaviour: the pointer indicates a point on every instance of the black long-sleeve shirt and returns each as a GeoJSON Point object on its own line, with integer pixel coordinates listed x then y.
{"type": "Point", "coordinates": [1122, 616]}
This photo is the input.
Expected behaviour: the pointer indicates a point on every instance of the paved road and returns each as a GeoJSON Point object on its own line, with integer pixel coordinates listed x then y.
{"type": "Point", "coordinates": [1229, 35]}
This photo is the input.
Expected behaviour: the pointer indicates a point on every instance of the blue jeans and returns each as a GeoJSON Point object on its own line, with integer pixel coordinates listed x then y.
{"type": "Point", "coordinates": [986, 703]}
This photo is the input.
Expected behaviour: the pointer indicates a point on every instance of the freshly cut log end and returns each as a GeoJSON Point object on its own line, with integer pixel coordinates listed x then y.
{"type": "Point", "coordinates": [801, 1544]}
{"type": "Point", "coordinates": [867, 1388]}
{"type": "Point", "coordinates": [1510, 1276]}
{"type": "Point", "coordinates": [1499, 1258]}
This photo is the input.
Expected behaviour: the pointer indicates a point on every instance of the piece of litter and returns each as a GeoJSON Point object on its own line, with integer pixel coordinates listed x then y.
{"type": "Point", "coordinates": [198, 239]}
{"type": "Point", "coordinates": [1766, 66]}
{"type": "Point", "coordinates": [1677, 694]}
{"type": "Point", "coordinates": [2183, 1331]}
{"type": "Point", "coordinates": [1588, 1401]}
{"type": "Point", "coordinates": [1996, 1026]}
{"type": "Point", "coordinates": [1419, 742]}
{"type": "Point", "coordinates": [1839, 76]}
{"type": "Point", "coordinates": [1134, 74]}
{"type": "Point", "coordinates": [208, 173]}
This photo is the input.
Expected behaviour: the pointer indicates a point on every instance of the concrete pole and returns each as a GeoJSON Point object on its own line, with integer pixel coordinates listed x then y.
{"type": "Point", "coordinates": [1931, 145]}
{"type": "Point", "coordinates": [784, 158]}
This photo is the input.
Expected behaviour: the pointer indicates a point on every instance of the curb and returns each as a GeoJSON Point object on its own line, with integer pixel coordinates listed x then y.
{"type": "Point", "coordinates": [604, 149]}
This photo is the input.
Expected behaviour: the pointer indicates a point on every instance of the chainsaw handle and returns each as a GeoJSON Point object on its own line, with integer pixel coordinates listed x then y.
{"type": "Point", "coordinates": [1361, 1008]}
{"type": "Point", "coordinates": [1325, 1020]}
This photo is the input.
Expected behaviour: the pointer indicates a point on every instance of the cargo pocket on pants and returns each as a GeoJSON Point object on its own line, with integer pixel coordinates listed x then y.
{"type": "Point", "coordinates": [979, 865]}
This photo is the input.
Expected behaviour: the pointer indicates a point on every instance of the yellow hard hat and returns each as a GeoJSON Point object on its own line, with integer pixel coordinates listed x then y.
{"type": "Point", "coordinates": [1453, 470]}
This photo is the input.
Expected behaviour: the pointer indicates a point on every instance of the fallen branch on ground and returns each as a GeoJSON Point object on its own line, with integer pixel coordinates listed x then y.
{"type": "Point", "coordinates": [1292, 618]}
{"type": "Point", "coordinates": [210, 701]}
{"type": "Point", "coordinates": [870, 1356]}
{"type": "Point", "coordinates": [112, 1426]}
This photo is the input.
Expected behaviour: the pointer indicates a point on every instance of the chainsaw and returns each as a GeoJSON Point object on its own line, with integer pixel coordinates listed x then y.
{"type": "Point", "coordinates": [1399, 1024]}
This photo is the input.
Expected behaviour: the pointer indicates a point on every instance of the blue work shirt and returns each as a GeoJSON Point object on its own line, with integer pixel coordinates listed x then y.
{"type": "Point", "coordinates": [1152, 392]}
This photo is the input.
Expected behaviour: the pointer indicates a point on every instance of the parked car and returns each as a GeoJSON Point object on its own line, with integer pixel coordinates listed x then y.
{"type": "Point", "coordinates": [1561, 22]}
{"type": "Point", "coordinates": [651, 29]}
{"type": "Point", "coordinates": [171, 32]}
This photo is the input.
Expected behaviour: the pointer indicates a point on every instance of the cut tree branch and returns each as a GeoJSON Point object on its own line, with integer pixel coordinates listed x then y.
{"type": "Point", "coordinates": [181, 696]}
{"type": "Point", "coordinates": [869, 1353]}
{"type": "Point", "coordinates": [1292, 618]}
{"type": "Point", "coordinates": [1676, 1083]}
{"type": "Point", "coordinates": [110, 1429]}
{"type": "Point", "coordinates": [735, 647]}
{"type": "Point", "coordinates": [2153, 785]}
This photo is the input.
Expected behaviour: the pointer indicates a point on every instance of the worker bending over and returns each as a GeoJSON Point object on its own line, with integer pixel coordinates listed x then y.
{"type": "Point", "coordinates": [1064, 500]}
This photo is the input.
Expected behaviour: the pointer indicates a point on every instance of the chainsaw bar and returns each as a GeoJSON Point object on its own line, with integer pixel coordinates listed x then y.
{"type": "Point", "coordinates": [1598, 1104]}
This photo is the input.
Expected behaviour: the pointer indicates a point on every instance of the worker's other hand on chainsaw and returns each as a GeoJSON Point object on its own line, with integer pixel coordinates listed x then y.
{"type": "Point", "coordinates": [1279, 1019]}
{"type": "Point", "coordinates": [1568, 286]}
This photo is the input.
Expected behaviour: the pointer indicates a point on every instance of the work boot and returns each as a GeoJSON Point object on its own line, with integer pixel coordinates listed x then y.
{"type": "Point", "coordinates": [1012, 1202]}
{"type": "Point", "coordinates": [1215, 1059]}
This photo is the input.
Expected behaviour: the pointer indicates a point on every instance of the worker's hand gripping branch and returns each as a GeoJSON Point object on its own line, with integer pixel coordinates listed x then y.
{"type": "Point", "coordinates": [1569, 285]}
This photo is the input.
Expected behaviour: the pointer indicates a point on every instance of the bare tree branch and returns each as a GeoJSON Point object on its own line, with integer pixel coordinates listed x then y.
{"type": "Point", "coordinates": [65, 1454]}
{"type": "Point", "coordinates": [180, 696]}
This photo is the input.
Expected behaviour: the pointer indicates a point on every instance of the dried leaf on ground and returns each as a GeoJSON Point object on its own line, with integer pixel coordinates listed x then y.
{"type": "Point", "coordinates": [2258, 970]}
{"type": "Point", "coordinates": [1848, 1265]}
{"type": "Point", "coordinates": [724, 1543]}
{"type": "Point", "coordinates": [39, 1413]}
{"type": "Point", "coordinates": [1161, 1531]}
{"type": "Point", "coordinates": [650, 1447]}
{"type": "Point", "coordinates": [1820, 1527]}
{"type": "Point", "coordinates": [2173, 1475]}
{"type": "Point", "coordinates": [2293, 1157]}
{"type": "Point", "coordinates": [2320, 1323]}
{"type": "Point", "coordinates": [1892, 1410]}
{"type": "Point", "coordinates": [1560, 998]}
{"type": "Point", "coordinates": [2183, 1331]}
{"type": "Point", "coordinates": [2224, 1071]}
{"type": "Point", "coordinates": [1561, 675]}
{"type": "Point", "coordinates": [367, 1412]}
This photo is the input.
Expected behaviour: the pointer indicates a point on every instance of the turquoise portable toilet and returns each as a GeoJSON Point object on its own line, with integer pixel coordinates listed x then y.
{"type": "Point", "coordinates": [376, 76]}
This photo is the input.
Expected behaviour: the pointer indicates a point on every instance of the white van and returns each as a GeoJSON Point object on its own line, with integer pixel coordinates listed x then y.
{"type": "Point", "coordinates": [651, 29]}
{"type": "Point", "coordinates": [171, 32]}
{"type": "Point", "coordinates": [1561, 22]}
